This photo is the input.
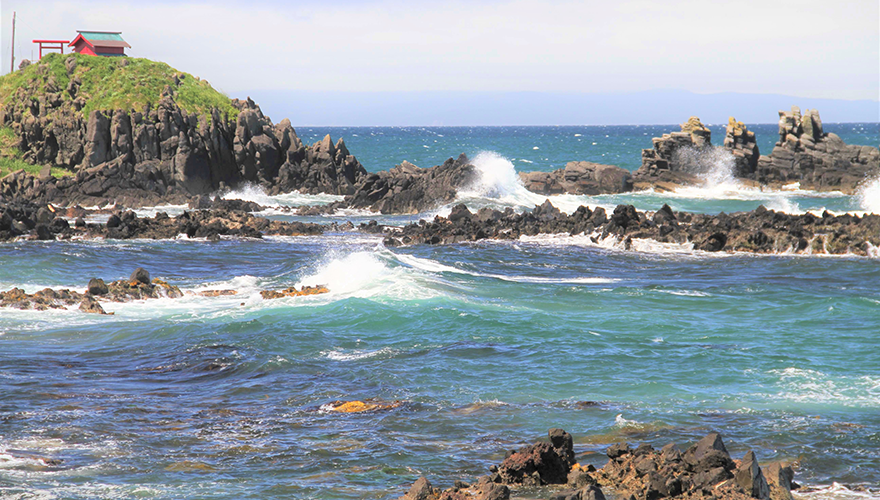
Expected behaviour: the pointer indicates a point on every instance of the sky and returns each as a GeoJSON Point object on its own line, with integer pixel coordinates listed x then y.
{"type": "Point", "coordinates": [801, 48]}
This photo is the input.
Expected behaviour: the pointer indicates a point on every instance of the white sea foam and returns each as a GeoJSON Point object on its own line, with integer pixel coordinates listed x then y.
{"type": "Point", "coordinates": [371, 274]}
{"type": "Point", "coordinates": [436, 267]}
{"type": "Point", "coordinates": [356, 354]}
{"type": "Point", "coordinates": [869, 195]}
{"type": "Point", "coordinates": [815, 387]}
{"type": "Point", "coordinates": [837, 491]}
{"type": "Point", "coordinates": [256, 194]}
{"type": "Point", "coordinates": [171, 210]}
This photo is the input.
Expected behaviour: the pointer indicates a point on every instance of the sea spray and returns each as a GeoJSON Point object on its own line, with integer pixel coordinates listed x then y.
{"type": "Point", "coordinates": [869, 195]}
{"type": "Point", "coordinates": [256, 194]}
{"type": "Point", "coordinates": [498, 186]}
{"type": "Point", "coordinates": [371, 274]}
{"type": "Point", "coordinates": [715, 165]}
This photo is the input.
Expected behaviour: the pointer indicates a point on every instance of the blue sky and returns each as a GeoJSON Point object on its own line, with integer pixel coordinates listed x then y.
{"type": "Point", "coordinates": [802, 48]}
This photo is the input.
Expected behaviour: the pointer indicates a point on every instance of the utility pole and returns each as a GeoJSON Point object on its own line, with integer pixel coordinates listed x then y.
{"type": "Point", "coordinates": [12, 58]}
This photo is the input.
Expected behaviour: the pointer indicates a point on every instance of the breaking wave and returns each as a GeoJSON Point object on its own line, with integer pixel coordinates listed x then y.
{"type": "Point", "coordinates": [869, 195]}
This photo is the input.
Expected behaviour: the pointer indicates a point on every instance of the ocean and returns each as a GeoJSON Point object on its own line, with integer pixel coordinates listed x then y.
{"type": "Point", "coordinates": [478, 348]}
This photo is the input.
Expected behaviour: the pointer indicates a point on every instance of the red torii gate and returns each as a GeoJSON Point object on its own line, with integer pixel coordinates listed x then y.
{"type": "Point", "coordinates": [51, 45]}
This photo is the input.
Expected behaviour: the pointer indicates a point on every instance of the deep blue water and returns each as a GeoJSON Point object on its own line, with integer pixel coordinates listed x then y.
{"type": "Point", "coordinates": [484, 347]}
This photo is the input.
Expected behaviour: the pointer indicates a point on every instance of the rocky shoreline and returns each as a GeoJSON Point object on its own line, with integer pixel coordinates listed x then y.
{"type": "Point", "coordinates": [759, 231]}
{"type": "Point", "coordinates": [703, 470]}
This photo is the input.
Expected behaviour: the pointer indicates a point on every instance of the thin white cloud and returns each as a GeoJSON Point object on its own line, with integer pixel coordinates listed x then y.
{"type": "Point", "coordinates": [806, 47]}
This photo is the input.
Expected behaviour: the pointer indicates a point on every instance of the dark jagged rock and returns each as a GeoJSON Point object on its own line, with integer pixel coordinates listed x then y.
{"type": "Point", "coordinates": [17, 220]}
{"type": "Point", "coordinates": [817, 160]}
{"type": "Point", "coordinates": [97, 287]}
{"type": "Point", "coordinates": [541, 463]}
{"type": "Point", "coordinates": [579, 177]}
{"type": "Point", "coordinates": [757, 231]}
{"type": "Point", "coordinates": [408, 189]}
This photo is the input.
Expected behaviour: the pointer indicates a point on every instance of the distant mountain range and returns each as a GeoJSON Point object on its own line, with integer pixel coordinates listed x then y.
{"type": "Point", "coordinates": [541, 108]}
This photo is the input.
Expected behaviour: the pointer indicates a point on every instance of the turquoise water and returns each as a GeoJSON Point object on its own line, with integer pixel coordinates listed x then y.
{"type": "Point", "coordinates": [538, 148]}
{"type": "Point", "coordinates": [485, 346]}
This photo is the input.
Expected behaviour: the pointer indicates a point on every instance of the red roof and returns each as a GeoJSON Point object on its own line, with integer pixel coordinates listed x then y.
{"type": "Point", "coordinates": [100, 43]}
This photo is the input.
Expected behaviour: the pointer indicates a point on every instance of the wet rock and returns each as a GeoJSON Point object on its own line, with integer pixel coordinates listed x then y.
{"type": "Point", "coordinates": [90, 305]}
{"type": "Point", "coordinates": [140, 275]}
{"type": "Point", "coordinates": [293, 292]}
{"type": "Point", "coordinates": [97, 287]}
{"type": "Point", "coordinates": [359, 406]}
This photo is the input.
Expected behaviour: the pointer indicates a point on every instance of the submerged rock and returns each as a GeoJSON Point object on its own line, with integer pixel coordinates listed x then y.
{"type": "Point", "coordinates": [293, 292]}
{"type": "Point", "coordinates": [359, 406]}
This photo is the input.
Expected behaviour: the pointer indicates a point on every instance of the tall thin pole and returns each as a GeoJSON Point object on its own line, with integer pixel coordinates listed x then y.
{"type": "Point", "coordinates": [12, 58]}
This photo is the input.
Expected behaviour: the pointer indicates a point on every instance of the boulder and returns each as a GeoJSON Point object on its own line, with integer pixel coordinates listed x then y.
{"type": "Point", "coordinates": [90, 305]}
{"type": "Point", "coordinates": [750, 478]}
{"type": "Point", "coordinates": [97, 287]}
{"type": "Point", "coordinates": [140, 275]}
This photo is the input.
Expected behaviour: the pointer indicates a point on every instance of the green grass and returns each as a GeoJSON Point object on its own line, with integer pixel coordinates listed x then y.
{"type": "Point", "coordinates": [107, 84]}
{"type": "Point", "coordinates": [11, 157]}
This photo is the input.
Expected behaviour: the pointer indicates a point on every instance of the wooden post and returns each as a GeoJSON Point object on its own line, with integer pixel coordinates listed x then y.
{"type": "Point", "coordinates": [12, 58]}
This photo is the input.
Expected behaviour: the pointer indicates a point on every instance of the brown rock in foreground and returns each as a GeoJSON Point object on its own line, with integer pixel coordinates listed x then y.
{"type": "Point", "coordinates": [703, 471]}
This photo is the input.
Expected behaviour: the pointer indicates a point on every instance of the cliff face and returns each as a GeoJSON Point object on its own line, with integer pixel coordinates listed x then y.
{"type": "Point", "coordinates": [162, 152]}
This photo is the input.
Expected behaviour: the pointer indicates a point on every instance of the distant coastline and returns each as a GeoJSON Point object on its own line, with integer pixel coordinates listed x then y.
{"type": "Point", "coordinates": [327, 108]}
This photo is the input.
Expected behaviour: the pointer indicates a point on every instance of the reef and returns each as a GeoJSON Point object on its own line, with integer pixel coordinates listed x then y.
{"type": "Point", "coordinates": [757, 231]}
{"type": "Point", "coordinates": [231, 219]}
{"type": "Point", "coordinates": [138, 286]}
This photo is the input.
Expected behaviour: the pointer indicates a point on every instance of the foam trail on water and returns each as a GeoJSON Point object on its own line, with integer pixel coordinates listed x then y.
{"type": "Point", "coordinates": [869, 195]}
{"type": "Point", "coordinates": [256, 194]}
{"type": "Point", "coordinates": [436, 267]}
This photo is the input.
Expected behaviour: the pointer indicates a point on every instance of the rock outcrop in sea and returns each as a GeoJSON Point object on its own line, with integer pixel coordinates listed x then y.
{"type": "Point", "coordinates": [671, 161]}
{"type": "Point", "coordinates": [741, 142]}
{"type": "Point", "coordinates": [579, 177]}
{"type": "Point", "coordinates": [806, 154]}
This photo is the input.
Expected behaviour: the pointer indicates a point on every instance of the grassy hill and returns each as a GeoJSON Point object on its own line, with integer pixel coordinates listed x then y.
{"type": "Point", "coordinates": [107, 83]}
{"type": "Point", "coordinates": [117, 83]}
